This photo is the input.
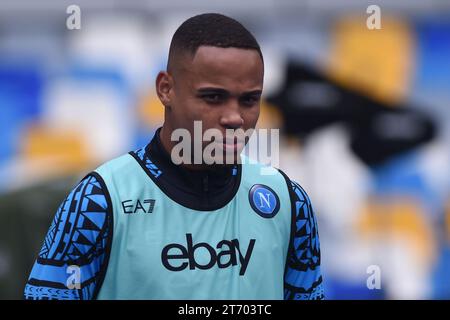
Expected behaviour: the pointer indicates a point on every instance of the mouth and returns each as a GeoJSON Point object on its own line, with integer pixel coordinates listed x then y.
{"type": "Point", "coordinates": [232, 146]}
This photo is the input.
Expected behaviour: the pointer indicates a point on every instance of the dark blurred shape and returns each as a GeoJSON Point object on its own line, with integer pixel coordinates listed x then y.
{"type": "Point", "coordinates": [309, 100]}
{"type": "Point", "coordinates": [24, 221]}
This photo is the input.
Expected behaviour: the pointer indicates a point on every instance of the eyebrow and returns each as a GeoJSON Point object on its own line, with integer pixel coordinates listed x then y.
{"type": "Point", "coordinates": [226, 92]}
{"type": "Point", "coordinates": [212, 90]}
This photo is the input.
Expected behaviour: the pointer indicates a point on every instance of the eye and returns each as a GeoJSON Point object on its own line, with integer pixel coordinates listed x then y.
{"type": "Point", "coordinates": [250, 100]}
{"type": "Point", "coordinates": [213, 98]}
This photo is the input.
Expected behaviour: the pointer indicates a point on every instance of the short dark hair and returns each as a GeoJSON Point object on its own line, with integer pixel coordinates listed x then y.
{"type": "Point", "coordinates": [210, 29]}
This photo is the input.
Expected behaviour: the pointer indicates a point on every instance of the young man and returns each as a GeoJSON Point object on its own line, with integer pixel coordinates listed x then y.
{"type": "Point", "coordinates": [142, 227]}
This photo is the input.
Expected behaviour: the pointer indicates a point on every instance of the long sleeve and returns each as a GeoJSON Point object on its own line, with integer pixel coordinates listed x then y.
{"type": "Point", "coordinates": [72, 262]}
{"type": "Point", "coordinates": [303, 278]}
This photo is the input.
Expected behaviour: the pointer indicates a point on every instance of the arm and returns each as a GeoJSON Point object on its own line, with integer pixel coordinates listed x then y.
{"type": "Point", "coordinates": [303, 278]}
{"type": "Point", "coordinates": [72, 262]}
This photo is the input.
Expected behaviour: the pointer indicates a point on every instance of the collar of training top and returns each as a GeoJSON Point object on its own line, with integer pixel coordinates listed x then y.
{"type": "Point", "coordinates": [204, 190]}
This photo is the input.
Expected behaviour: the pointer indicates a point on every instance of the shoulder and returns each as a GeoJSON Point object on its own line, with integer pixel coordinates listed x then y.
{"type": "Point", "coordinates": [298, 193]}
{"type": "Point", "coordinates": [79, 235]}
{"type": "Point", "coordinates": [116, 164]}
{"type": "Point", "coordinates": [84, 214]}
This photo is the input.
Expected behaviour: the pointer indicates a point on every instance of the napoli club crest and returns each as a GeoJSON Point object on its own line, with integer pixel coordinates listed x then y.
{"type": "Point", "coordinates": [264, 201]}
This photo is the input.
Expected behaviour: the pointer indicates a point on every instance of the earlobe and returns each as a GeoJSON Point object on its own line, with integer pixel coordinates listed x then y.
{"type": "Point", "coordinates": [164, 87]}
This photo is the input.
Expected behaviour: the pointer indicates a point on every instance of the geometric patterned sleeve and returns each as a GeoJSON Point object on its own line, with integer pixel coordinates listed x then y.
{"type": "Point", "coordinates": [303, 278]}
{"type": "Point", "coordinates": [72, 262]}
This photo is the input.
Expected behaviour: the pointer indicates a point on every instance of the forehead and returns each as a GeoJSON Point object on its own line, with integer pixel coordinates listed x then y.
{"type": "Point", "coordinates": [231, 68]}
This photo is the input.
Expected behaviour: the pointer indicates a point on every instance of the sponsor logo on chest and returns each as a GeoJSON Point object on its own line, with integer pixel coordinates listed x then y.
{"type": "Point", "coordinates": [177, 257]}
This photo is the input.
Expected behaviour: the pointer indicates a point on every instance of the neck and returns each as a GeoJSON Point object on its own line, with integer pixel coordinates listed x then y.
{"type": "Point", "coordinates": [207, 189]}
{"type": "Point", "coordinates": [164, 138]}
{"type": "Point", "coordinates": [168, 144]}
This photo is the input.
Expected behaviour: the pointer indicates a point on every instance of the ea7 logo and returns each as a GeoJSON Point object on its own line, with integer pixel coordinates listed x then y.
{"type": "Point", "coordinates": [138, 206]}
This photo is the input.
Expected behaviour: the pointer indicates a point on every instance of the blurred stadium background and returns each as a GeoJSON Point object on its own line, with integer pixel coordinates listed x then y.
{"type": "Point", "coordinates": [365, 116]}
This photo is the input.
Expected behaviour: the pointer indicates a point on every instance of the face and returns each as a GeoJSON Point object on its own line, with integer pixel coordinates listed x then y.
{"type": "Point", "coordinates": [221, 87]}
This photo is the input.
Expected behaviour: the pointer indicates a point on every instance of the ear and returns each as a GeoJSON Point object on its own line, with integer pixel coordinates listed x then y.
{"type": "Point", "coordinates": [164, 88]}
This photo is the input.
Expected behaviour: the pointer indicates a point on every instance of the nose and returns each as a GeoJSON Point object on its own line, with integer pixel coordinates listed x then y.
{"type": "Point", "coordinates": [231, 118]}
